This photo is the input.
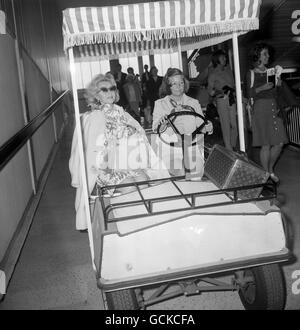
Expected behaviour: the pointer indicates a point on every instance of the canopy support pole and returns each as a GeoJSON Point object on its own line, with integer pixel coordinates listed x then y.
{"type": "Point", "coordinates": [179, 54]}
{"type": "Point", "coordinates": [81, 154]}
{"type": "Point", "coordinates": [238, 91]}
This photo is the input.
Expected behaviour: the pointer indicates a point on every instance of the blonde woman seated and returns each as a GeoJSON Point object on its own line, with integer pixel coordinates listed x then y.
{"type": "Point", "coordinates": [116, 148]}
{"type": "Point", "coordinates": [191, 162]}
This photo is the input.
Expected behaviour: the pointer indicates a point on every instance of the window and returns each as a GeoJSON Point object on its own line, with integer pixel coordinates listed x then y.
{"type": "Point", "coordinates": [165, 61]}
{"type": "Point", "coordinates": [86, 70]}
{"type": "Point", "coordinates": [127, 62]}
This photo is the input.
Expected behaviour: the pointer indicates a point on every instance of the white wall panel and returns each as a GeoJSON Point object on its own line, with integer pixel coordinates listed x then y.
{"type": "Point", "coordinates": [33, 29]}
{"type": "Point", "coordinates": [11, 115]}
{"type": "Point", "coordinates": [37, 88]}
{"type": "Point", "coordinates": [42, 141]}
{"type": "Point", "coordinates": [38, 99]}
{"type": "Point", "coordinates": [15, 178]}
{"type": "Point", "coordinates": [59, 69]}
{"type": "Point", "coordinates": [15, 193]}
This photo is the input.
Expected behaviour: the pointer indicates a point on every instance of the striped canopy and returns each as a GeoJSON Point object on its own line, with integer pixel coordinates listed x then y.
{"type": "Point", "coordinates": [141, 28]}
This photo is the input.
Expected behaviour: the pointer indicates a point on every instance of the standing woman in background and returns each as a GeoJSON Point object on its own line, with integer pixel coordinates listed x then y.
{"type": "Point", "coordinates": [220, 84]}
{"type": "Point", "coordinates": [267, 128]}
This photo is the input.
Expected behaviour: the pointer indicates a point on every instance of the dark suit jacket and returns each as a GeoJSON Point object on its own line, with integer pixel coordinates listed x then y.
{"type": "Point", "coordinates": [153, 88]}
{"type": "Point", "coordinates": [120, 83]}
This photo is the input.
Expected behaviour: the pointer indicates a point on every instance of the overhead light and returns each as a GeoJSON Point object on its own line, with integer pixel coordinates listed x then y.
{"type": "Point", "coordinates": [2, 283]}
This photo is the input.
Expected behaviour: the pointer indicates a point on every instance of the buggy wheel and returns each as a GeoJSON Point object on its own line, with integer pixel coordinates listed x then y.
{"type": "Point", "coordinates": [262, 288]}
{"type": "Point", "coordinates": [122, 300]}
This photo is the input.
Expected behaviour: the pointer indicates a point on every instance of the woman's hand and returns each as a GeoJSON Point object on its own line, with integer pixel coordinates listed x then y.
{"type": "Point", "coordinates": [218, 93]}
{"type": "Point", "coordinates": [279, 81]}
{"type": "Point", "coordinates": [209, 128]}
{"type": "Point", "coordinates": [163, 120]}
{"type": "Point", "coordinates": [265, 87]}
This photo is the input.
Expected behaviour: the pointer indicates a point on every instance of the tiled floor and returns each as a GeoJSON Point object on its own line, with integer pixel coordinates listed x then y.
{"type": "Point", "coordinates": [55, 271]}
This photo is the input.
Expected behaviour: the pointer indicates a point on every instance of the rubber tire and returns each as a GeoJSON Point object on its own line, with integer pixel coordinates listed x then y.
{"type": "Point", "coordinates": [122, 300]}
{"type": "Point", "coordinates": [270, 292]}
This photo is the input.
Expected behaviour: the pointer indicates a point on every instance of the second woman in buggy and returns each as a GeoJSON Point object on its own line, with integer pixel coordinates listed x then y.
{"type": "Point", "coordinates": [116, 148]}
{"type": "Point", "coordinates": [179, 121]}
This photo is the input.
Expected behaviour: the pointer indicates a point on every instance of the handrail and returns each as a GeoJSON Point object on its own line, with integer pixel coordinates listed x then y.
{"type": "Point", "coordinates": [17, 141]}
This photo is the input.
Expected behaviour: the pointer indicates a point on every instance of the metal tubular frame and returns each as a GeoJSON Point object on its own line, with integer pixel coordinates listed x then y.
{"type": "Point", "coordinates": [190, 199]}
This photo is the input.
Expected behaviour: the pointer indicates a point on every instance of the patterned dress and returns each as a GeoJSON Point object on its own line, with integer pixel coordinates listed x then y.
{"type": "Point", "coordinates": [121, 137]}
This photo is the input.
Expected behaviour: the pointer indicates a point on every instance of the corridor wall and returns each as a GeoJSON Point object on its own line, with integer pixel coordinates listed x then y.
{"type": "Point", "coordinates": [34, 43]}
{"type": "Point", "coordinates": [43, 139]}
{"type": "Point", "coordinates": [15, 181]}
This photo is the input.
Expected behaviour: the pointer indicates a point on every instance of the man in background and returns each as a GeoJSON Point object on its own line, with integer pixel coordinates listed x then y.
{"type": "Point", "coordinates": [120, 78]}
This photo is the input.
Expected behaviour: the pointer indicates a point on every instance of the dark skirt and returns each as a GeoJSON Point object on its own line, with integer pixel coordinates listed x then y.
{"type": "Point", "coordinates": [267, 127]}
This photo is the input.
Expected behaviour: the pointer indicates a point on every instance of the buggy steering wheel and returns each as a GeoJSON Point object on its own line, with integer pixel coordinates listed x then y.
{"type": "Point", "coordinates": [170, 121]}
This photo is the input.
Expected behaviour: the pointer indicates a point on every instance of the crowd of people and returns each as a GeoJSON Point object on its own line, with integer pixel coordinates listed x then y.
{"type": "Point", "coordinates": [138, 94]}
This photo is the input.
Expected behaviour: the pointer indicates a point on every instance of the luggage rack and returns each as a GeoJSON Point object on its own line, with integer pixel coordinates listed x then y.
{"type": "Point", "coordinates": [190, 198]}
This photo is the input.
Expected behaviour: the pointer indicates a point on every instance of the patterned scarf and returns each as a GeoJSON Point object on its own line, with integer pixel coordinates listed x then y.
{"type": "Point", "coordinates": [117, 126]}
{"type": "Point", "coordinates": [179, 107]}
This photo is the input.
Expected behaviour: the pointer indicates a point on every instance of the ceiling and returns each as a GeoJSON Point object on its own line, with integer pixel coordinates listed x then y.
{"type": "Point", "coordinates": [275, 26]}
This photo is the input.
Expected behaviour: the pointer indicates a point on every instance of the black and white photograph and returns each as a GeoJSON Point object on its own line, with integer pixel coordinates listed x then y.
{"type": "Point", "coordinates": [149, 158]}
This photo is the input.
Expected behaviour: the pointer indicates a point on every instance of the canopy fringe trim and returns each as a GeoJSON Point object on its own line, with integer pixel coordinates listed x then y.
{"type": "Point", "coordinates": [78, 39]}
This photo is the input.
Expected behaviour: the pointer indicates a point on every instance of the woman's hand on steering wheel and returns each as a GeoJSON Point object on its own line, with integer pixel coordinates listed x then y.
{"type": "Point", "coordinates": [163, 122]}
{"type": "Point", "coordinates": [205, 127]}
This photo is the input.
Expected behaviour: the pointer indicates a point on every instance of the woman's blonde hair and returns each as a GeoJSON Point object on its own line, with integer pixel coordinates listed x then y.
{"type": "Point", "coordinates": [92, 89]}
